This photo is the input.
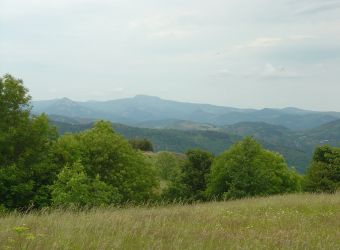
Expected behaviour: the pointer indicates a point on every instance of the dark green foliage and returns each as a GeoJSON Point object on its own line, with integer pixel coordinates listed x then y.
{"type": "Point", "coordinates": [324, 173]}
{"type": "Point", "coordinates": [104, 153]}
{"type": "Point", "coordinates": [195, 173]}
{"type": "Point", "coordinates": [183, 177]}
{"type": "Point", "coordinates": [25, 167]}
{"type": "Point", "coordinates": [247, 169]}
{"type": "Point", "coordinates": [74, 188]}
{"type": "Point", "coordinates": [141, 144]}
{"type": "Point", "coordinates": [14, 113]}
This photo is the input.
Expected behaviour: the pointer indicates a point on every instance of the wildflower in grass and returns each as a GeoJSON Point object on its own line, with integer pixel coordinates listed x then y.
{"type": "Point", "coordinates": [21, 229]}
{"type": "Point", "coordinates": [29, 236]}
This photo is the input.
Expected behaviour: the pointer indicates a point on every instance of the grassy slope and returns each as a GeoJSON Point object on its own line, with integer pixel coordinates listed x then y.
{"type": "Point", "coordinates": [279, 222]}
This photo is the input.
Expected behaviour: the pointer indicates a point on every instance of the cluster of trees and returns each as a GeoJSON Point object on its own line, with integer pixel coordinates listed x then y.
{"type": "Point", "coordinates": [96, 167]}
{"type": "Point", "coordinates": [141, 144]}
{"type": "Point", "coordinates": [245, 170]}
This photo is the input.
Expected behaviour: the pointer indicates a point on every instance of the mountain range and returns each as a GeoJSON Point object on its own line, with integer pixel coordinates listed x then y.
{"type": "Point", "coordinates": [154, 112]}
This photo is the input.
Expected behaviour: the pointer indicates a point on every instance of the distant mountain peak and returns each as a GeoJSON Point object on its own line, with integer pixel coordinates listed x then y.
{"type": "Point", "coordinates": [65, 99]}
{"type": "Point", "coordinates": [147, 97]}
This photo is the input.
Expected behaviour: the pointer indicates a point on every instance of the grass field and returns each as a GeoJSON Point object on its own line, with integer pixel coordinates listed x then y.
{"type": "Point", "coordinates": [300, 221]}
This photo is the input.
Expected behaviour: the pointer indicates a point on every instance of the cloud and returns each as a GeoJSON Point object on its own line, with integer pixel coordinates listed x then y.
{"type": "Point", "coordinates": [159, 44]}
{"type": "Point", "coordinates": [299, 37]}
{"type": "Point", "coordinates": [223, 73]}
{"type": "Point", "coordinates": [262, 42]}
{"type": "Point", "coordinates": [268, 71]}
{"type": "Point", "coordinates": [319, 7]}
{"type": "Point", "coordinates": [117, 90]}
{"type": "Point", "coordinates": [271, 72]}
{"type": "Point", "coordinates": [267, 42]}
{"type": "Point", "coordinates": [164, 25]}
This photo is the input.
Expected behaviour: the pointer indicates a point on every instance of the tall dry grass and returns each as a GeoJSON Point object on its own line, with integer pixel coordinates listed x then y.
{"type": "Point", "coordinates": [300, 221]}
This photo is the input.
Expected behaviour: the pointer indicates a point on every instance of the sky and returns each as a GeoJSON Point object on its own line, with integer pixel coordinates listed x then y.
{"type": "Point", "coordinates": [241, 53]}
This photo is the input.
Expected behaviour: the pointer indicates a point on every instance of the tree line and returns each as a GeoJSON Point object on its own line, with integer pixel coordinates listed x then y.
{"type": "Point", "coordinates": [39, 168]}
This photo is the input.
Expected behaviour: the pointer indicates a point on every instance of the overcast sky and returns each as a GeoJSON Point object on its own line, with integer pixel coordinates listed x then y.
{"type": "Point", "coordinates": [243, 53]}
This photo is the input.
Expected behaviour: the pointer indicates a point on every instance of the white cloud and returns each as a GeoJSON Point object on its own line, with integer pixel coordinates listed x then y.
{"type": "Point", "coordinates": [262, 42]}
{"type": "Point", "coordinates": [117, 90]}
{"type": "Point", "coordinates": [163, 25]}
{"type": "Point", "coordinates": [268, 42]}
{"type": "Point", "coordinates": [317, 6]}
{"type": "Point", "coordinates": [267, 71]}
{"type": "Point", "coordinates": [299, 37]}
{"type": "Point", "coordinates": [270, 71]}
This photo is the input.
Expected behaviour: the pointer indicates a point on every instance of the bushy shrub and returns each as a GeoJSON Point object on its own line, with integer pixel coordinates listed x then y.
{"type": "Point", "coordinates": [74, 188]}
{"type": "Point", "coordinates": [246, 169]}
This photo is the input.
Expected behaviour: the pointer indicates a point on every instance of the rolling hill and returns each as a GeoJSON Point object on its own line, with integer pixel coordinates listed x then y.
{"type": "Point", "coordinates": [178, 124]}
{"type": "Point", "coordinates": [165, 139]}
{"type": "Point", "coordinates": [328, 133]}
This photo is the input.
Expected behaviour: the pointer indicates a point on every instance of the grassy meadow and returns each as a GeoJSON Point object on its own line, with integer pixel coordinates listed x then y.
{"type": "Point", "coordinates": [298, 221]}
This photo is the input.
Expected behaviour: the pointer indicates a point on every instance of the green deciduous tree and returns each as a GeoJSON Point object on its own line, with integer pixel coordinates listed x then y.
{"type": "Point", "coordinates": [195, 173]}
{"type": "Point", "coordinates": [106, 154]}
{"type": "Point", "coordinates": [324, 173]}
{"type": "Point", "coordinates": [246, 169]}
{"type": "Point", "coordinates": [25, 141]}
{"type": "Point", "coordinates": [15, 115]}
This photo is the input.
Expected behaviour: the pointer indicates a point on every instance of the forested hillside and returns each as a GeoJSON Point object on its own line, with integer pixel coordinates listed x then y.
{"type": "Point", "coordinates": [165, 139]}
{"type": "Point", "coordinates": [297, 147]}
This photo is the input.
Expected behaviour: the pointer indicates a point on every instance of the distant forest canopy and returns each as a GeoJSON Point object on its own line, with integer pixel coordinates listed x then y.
{"type": "Point", "coordinates": [296, 146]}
{"type": "Point", "coordinates": [95, 166]}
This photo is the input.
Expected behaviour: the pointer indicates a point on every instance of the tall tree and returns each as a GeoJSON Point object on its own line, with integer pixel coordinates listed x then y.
{"type": "Point", "coordinates": [195, 173]}
{"type": "Point", "coordinates": [25, 170]}
{"type": "Point", "coordinates": [324, 173]}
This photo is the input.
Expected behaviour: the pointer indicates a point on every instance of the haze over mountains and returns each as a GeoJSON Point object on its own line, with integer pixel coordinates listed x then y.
{"type": "Point", "coordinates": [178, 126]}
{"type": "Point", "coordinates": [148, 111]}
